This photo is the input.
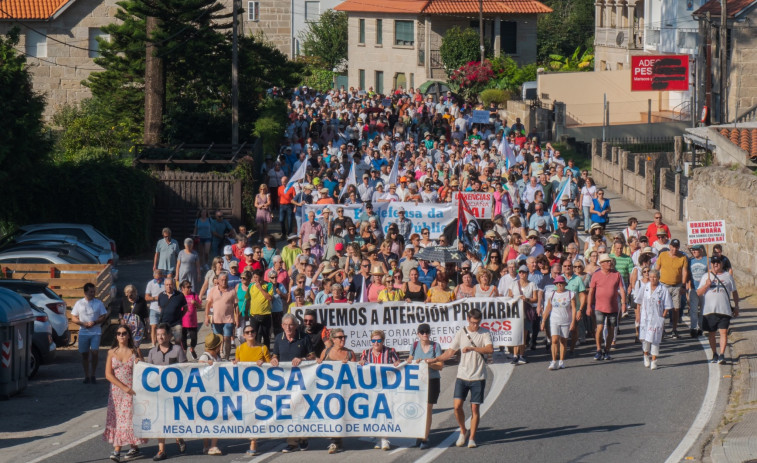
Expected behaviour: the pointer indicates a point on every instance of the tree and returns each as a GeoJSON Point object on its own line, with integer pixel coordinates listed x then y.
{"type": "Point", "coordinates": [194, 38]}
{"type": "Point", "coordinates": [461, 46]}
{"type": "Point", "coordinates": [570, 25]}
{"type": "Point", "coordinates": [576, 62]}
{"type": "Point", "coordinates": [327, 38]}
{"type": "Point", "coordinates": [23, 141]}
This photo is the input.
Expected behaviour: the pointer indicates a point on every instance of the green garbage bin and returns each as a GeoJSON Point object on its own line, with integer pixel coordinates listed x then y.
{"type": "Point", "coordinates": [16, 330]}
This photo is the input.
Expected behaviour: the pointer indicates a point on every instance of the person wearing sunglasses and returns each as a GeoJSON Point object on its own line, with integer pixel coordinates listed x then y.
{"type": "Point", "coordinates": [337, 352]}
{"type": "Point", "coordinates": [427, 350]}
{"type": "Point", "coordinates": [119, 367]}
{"type": "Point", "coordinates": [380, 354]}
{"type": "Point", "coordinates": [716, 288]}
{"type": "Point", "coordinates": [251, 351]}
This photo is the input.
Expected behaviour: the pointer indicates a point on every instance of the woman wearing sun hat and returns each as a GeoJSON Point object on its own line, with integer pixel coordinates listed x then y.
{"type": "Point", "coordinates": [561, 312]}
{"type": "Point", "coordinates": [377, 278]}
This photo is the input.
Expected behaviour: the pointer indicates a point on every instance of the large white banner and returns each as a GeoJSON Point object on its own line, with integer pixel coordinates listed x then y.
{"type": "Point", "coordinates": [501, 316]}
{"type": "Point", "coordinates": [434, 216]}
{"type": "Point", "coordinates": [333, 399]}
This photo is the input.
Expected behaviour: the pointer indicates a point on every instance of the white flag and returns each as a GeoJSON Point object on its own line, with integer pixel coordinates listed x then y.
{"type": "Point", "coordinates": [351, 180]}
{"type": "Point", "coordinates": [506, 151]}
{"type": "Point", "coordinates": [299, 175]}
{"type": "Point", "coordinates": [395, 170]}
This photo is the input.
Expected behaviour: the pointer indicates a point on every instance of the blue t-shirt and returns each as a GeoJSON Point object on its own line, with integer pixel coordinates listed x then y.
{"type": "Point", "coordinates": [427, 278]}
{"type": "Point", "coordinates": [435, 351]}
{"type": "Point", "coordinates": [697, 268]}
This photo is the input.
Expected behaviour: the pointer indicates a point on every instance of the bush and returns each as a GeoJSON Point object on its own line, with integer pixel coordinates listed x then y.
{"type": "Point", "coordinates": [460, 46]}
{"type": "Point", "coordinates": [108, 194]}
{"type": "Point", "coordinates": [495, 95]}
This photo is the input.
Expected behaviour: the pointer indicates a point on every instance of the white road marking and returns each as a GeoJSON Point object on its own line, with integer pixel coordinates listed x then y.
{"type": "Point", "coordinates": [502, 373]}
{"type": "Point", "coordinates": [67, 447]}
{"type": "Point", "coordinates": [705, 412]}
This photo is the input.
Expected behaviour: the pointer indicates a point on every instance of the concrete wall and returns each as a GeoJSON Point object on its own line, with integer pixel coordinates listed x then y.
{"type": "Point", "coordinates": [742, 88]}
{"type": "Point", "coordinates": [275, 22]}
{"type": "Point", "coordinates": [583, 94]}
{"type": "Point", "coordinates": [722, 193]}
{"type": "Point", "coordinates": [389, 58]}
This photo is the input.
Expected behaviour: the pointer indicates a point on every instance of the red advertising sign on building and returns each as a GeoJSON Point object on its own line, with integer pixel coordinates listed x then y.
{"type": "Point", "coordinates": [659, 73]}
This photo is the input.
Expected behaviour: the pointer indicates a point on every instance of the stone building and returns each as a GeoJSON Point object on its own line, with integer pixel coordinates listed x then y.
{"type": "Point", "coordinates": [395, 43]}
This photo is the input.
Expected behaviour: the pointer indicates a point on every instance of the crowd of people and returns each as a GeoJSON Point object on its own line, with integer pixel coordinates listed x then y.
{"type": "Point", "coordinates": [546, 244]}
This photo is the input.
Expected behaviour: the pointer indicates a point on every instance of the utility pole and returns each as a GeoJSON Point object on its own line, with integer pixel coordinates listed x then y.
{"type": "Point", "coordinates": [481, 27]}
{"type": "Point", "coordinates": [235, 75]}
{"type": "Point", "coordinates": [708, 66]}
{"type": "Point", "coordinates": [723, 60]}
{"type": "Point", "coordinates": [155, 90]}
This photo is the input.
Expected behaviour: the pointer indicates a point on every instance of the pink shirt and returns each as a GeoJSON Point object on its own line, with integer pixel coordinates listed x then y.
{"type": "Point", "coordinates": [190, 316]}
{"type": "Point", "coordinates": [606, 288]}
{"type": "Point", "coordinates": [224, 304]}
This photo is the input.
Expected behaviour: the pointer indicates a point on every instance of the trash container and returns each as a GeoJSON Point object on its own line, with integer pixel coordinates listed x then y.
{"type": "Point", "coordinates": [16, 330]}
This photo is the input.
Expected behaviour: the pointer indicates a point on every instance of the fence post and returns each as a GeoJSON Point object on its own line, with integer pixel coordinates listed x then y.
{"type": "Point", "coordinates": [649, 184]}
{"type": "Point", "coordinates": [622, 154]}
{"type": "Point", "coordinates": [661, 187]}
{"type": "Point", "coordinates": [678, 201]}
{"type": "Point", "coordinates": [678, 150]}
{"type": "Point", "coordinates": [649, 111]}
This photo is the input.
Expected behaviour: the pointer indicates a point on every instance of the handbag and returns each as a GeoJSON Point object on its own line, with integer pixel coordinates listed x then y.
{"type": "Point", "coordinates": [530, 310]}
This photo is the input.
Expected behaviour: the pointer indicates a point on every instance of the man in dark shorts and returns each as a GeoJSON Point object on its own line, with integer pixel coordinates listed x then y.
{"type": "Point", "coordinates": [715, 289]}
{"type": "Point", "coordinates": [475, 343]}
{"type": "Point", "coordinates": [606, 284]}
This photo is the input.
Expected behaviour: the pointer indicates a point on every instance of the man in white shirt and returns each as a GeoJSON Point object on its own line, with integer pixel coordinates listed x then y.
{"type": "Point", "coordinates": [475, 343]}
{"type": "Point", "coordinates": [89, 313]}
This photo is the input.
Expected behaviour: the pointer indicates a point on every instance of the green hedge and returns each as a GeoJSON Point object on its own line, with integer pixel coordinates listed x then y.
{"type": "Point", "coordinates": [495, 95]}
{"type": "Point", "coordinates": [109, 194]}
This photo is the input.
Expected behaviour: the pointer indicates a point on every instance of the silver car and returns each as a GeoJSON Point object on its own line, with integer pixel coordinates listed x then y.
{"type": "Point", "coordinates": [82, 232]}
{"type": "Point", "coordinates": [85, 253]}
{"type": "Point", "coordinates": [45, 299]}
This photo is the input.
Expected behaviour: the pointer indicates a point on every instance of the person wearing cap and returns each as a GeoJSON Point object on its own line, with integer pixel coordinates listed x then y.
{"type": "Point", "coordinates": [427, 350]}
{"type": "Point", "coordinates": [209, 357]}
{"type": "Point", "coordinates": [536, 248]}
{"type": "Point", "coordinates": [652, 232]}
{"type": "Point", "coordinates": [716, 288]}
{"type": "Point", "coordinates": [325, 197]}
{"type": "Point", "coordinates": [674, 274]}
{"type": "Point", "coordinates": [404, 225]}
{"type": "Point", "coordinates": [228, 257]}
{"type": "Point", "coordinates": [697, 268]}
{"type": "Point", "coordinates": [290, 252]}
{"type": "Point", "coordinates": [604, 288]}
{"type": "Point", "coordinates": [561, 312]}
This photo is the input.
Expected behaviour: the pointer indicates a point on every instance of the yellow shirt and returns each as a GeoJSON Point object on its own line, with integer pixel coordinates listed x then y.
{"type": "Point", "coordinates": [391, 294]}
{"type": "Point", "coordinates": [438, 295]}
{"type": "Point", "coordinates": [245, 353]}
{"type": "Point", "coordinates": [671, 268]}
{"type": "Point", "coordinates": [259, 305]}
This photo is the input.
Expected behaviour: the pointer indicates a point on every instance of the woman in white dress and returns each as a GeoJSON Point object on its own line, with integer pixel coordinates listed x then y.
{"type": "Point", "coordinates": [561, 312]}
{"type": "Point", "coordinates": [655, 302]}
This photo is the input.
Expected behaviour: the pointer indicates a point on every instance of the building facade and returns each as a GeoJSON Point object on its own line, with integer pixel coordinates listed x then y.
{"type": "Point", "coordinates": [395, 43]}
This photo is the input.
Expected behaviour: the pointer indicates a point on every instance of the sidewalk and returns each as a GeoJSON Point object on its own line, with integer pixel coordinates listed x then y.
{"type": "Point", "coordinates": [731, 434]}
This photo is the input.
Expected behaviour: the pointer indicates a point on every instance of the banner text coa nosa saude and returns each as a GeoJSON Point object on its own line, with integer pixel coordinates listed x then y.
{"type": "Point", "coordinates": [332, 399]}
{"type": "Point", "coordinates": [503, 317]}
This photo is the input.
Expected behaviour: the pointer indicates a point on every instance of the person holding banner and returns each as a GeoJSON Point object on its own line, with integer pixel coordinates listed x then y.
{"type": "Point", "coordinates": [427, 350]}
{"type": "Point", "coordinates": [441, 292]}
{"type": "Point", "coordinates": [119, 431]}
{"type": "Point", "coordinates": [475, 343]}
{"type": "Point", "coordinates": [211, 355]}
{"type": "Point", "coordinates": [337, 353]}
{"type": "Point", "coordinates": [166, 353]}
{"type": "Point", "coordinates": [251, 351]}
{"type": "Point", "coordinates": [380, 354]}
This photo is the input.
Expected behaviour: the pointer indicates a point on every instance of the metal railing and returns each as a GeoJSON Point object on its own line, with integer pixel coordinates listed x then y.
{"type": "Point", "coordinates": [750, 115]}
{"type": "Point", "coordinates": [642, 170]}
{"type": "Point", "coordinates": [631, 162]}
{"type": "Point", "coordinates": [619, 37]}
{"type": "Point", "coordinates": [682, 111]}
{"type": "Point", "coordinates": [643, 145]}
{"type": "Point", "coordinates": [436, 59]}
{"type": "Point", "coordinates": [670, 181]}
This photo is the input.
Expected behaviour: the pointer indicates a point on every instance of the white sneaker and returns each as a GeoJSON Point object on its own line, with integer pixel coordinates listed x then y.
{"type": "Point", "coordinates": [646, 361]}
{"type": "Point", "coordinates": [385, 444]}
{"type": "Point", "coordinates": [472, 444]}
{"type": "Point", "coordinates": [653, 366]}
{"type": "Point", "coordinates": [552, 365]}
{"type": "Point", "coordinates": [461, 440]}
{"type": "Point", "coordinates": [561, 364]}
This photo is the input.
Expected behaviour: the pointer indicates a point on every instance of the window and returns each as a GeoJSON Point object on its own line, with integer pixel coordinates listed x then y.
{"type": "Point", "coordinates": [361, 32]}
{"type": "Point", "coordinates": [36, 43]}
{"type": "Point", "coordinates": [412, 80]}
{"type": "Point", "coordinates": [379, 82]}
{"type": "Point", "coordinates": [404, 33]}
{"type": "Point", "coordinates": [312, 11]}
{"type": "Point", "coordinates": [509, 37]}
{"type": "Point", "coordinates": [400, 80]}
{"type": "Point", "coordinates": [94, 45]}
{"type": "Point", "coordinates": [253, 11]}
{"type": "Point", "coordinates": [361, 78]}
{"type": "Point", "coordinates": [379, 32]}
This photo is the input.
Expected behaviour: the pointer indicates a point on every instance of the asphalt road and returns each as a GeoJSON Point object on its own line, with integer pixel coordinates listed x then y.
{"type": "Point", "coordinates": [607, 411]}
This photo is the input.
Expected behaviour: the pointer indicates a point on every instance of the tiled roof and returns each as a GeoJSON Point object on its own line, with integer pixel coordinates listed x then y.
{"type": "Point", "coordinates": [443, 6]}
{"type": "Point", "coordinates": [30, 9]}
{"type": "Point", "coordinates": [383, 6]}
{"type": "Point", "coordinates": [489, 6]}
{"type": "Point", "coordinates": [733, 7]}
{"type": "Point", "coordinates": [746, 139]}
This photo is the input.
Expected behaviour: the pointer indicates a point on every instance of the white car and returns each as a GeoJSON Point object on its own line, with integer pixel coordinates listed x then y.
{"type": "Point", "coordinates": [44, 299]}
{"type": "Point", "coordinates": [82, 232]}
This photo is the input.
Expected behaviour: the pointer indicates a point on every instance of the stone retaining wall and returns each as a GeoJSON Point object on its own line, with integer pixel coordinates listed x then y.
{"type": "Point", "coordinates": [722, 193]}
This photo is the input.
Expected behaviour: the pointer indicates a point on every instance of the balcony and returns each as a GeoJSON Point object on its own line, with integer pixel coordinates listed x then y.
{"type": "Point", "coordinates": [626, 38]}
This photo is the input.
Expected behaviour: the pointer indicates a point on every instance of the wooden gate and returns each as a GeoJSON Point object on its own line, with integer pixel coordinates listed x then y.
{"type": "Point", "coordinates": [180, 195]}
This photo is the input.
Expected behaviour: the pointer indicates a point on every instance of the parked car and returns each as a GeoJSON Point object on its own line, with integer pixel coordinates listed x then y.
{"type": "Point", "coordinates": [43, 346]}
{"type": "Point", "coordinates": [82, 232]}
{"type": "Point", "coordinates": [45, 299]}
{"type": "Point", "coordinates": [102, 255]}
{"type": "Point", "coordinates": [75, 251]}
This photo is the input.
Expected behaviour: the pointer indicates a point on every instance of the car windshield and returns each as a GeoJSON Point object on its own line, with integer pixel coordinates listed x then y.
{"type": "Point", "coordinates": [9, 239]}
